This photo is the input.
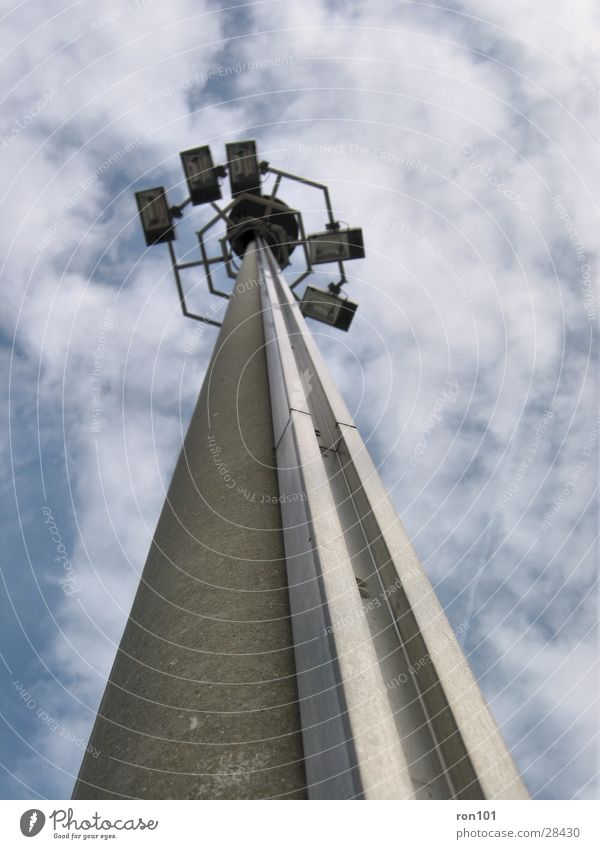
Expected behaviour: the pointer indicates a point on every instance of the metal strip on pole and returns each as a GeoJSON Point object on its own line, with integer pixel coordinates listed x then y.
{"type": "Point", "coordinates": [389, 706]}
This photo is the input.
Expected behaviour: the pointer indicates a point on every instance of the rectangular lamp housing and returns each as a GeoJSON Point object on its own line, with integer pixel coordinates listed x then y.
{"type": "Point", "coordinates": [244, 171]}
{"type": "Point", "coordinates": [327, 307]}
{"type": "Point", "coordinates": [199, 169]}
{"type": "Point", "coordinates": [157, 221]}
{"type": "Point", "coordinates": [336, 246]}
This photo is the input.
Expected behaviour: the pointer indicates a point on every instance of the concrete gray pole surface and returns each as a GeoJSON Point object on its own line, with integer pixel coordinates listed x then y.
{"type": "Point", "coordinates": [201, 702]}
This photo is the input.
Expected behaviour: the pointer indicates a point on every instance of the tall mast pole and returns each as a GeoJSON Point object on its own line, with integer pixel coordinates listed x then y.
{"type": "Point", "coordinates": [285, 641]}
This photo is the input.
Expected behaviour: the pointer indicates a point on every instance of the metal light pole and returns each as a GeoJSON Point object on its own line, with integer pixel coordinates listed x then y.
{"type": "Point", "coordinates": [284, 641]}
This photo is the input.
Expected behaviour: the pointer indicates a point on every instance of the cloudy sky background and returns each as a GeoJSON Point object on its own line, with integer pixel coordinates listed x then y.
{"type": "Point", "coordinates": [447, 132]}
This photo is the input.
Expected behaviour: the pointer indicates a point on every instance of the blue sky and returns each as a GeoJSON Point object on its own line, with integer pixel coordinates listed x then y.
{"type": "Point", "coordinates": [462, 138]}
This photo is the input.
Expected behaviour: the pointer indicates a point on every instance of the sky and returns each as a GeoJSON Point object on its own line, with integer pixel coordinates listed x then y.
{"type": "Point", "coordinates": [462, 138]}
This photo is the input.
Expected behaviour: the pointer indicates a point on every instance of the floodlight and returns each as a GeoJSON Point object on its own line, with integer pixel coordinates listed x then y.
{"type": "Point", "coordinates": [201, 175]}
{"type": "Point", "coordinates": [326, 307]}
{"type": "Point", "coordinates": [244, 171]}
{"type": "Point", "coordinates": [155, 213]}
{"type": "Point", "coordinates": [336, 245]}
